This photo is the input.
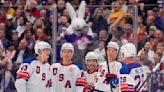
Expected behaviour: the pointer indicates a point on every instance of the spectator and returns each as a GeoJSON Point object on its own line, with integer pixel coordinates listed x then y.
{"type": "Point", "coordinates": [99, 22]}
{"type": "Point", "coordinates": [45, 19]}
{"type": "Point", "coordinates": [160, 20]}
{"type": "Point", "coordinates": [40, 35]}
{"type": "Point", "coordinates": [3, 15]}
{"type": "Point", "coordinates": [5, 68]}
{"type": "Point", "coordinates": [116, 16]}
{"type": "Point", "coordinates": [28, 15]}
{"type": "Point", "coordinates": [142, 38]}
{"type": "Point", "coordinates": [29, 26]}
{"type": "Point", "coordinates": [63, 25]}
{"type": "Point", "coordinates": [143, 56]}
{"type": "Point", "coordinates": [60, 7]}
{"type": "Point", "coordinates": [84, 39]}
{"type": "Point", "coordinates": [21, 27]}
{"type": "Point", "coordinates": [34, 10]}
{"type": "Point", "coordinates": [17, 15]}
{"type": "Point", "coordinates": [102, 36]}
{"type": "Point", "coordinates": [22, 53]}
{"type": "Point", "coordinates": [88, 17]}
{"type": "Point", "coordinates": [159, 36]}
{"type": "Point", "coordinates": [38, 24]}
{"type": "Point", "coordinates": [10, 26]}
{"type": "Point", "coordinates": [3, 40]}
{"type": "Point", "coordinates": [150, 22]}
{"type": "Point", "coordinates": [100, 51]}
{"type": "Point", "coordinates": [52, 5]}
{"type": "Point", "coordinates": [7, 8]}
{"type": "Point", "coordinates": [15, 38]}
{"type": "Point", "coordinates": [152, 30]}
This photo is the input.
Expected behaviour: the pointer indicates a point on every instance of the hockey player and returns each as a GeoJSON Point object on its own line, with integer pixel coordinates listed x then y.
{"type": "Point", "coordinates": [107, 80]}
{"type": "Point", "coordinates": [90, 74]}
{"type": "Point", "coordinates": [132, 74]}
{"type": "Point", "coordinates": [34, 76]}
{"type": "Point", "coordinates": [66, 76]}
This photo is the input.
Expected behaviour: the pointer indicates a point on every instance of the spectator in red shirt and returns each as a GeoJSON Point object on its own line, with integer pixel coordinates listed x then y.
{"type": "Point", "coordinates": [35, 12]}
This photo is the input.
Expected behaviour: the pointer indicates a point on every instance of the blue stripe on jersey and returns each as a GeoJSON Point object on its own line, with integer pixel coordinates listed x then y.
{"type": "Point", "coordinates": [29, 60]}
{"type": "Point", "coordinates": [79, 85]}
{"type": "Point", "coordinates": [127, 91]}
{"type": "Point", "coordinates": [130, 85]}
{"type": "Point", "coordinates": [126, 68]}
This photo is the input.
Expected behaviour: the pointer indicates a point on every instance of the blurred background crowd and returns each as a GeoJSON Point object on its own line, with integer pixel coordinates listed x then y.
{"type": "Point", "coordinates": [24, 22]}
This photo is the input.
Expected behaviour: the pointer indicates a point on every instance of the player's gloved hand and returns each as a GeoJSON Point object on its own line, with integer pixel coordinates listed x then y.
{"type": "Point", "coordinates": [112, 79]}
{"type": "Point", "coordinates": [88, 88]}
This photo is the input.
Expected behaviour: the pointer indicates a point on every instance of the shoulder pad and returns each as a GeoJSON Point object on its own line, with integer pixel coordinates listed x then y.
{"type": "Point", "coordinates": [29, 60]}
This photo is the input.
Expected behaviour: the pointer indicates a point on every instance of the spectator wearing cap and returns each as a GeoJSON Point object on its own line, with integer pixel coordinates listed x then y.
{"type": "Point", "coordinates": [10, 26]}
{"type": "Point", "coordinates": [152, 30]}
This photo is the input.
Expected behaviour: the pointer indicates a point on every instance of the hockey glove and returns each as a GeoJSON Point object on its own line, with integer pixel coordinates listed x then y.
{"type": "Point", "coordinates": [112, 79]}
{"type": "Point", "coordinates": [88, 88]}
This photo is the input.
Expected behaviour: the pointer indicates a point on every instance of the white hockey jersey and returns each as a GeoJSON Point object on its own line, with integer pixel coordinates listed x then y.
{"type": "Point", "coordinates": [90, 78]}
{"type": "Point", "coordinates": [64, 78]}
{"type": "Point", "coordinates": [132, 77]}
{"type": "Point", "coordinates": [101, 84]}
{"type": "Point", "coordinates": [33, 76]}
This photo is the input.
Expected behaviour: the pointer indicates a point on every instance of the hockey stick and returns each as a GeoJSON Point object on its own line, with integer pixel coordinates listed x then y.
{"type": "Point", "coordinates": [154, 70]}
{"type": "Point", "coordinates": [106, 43]}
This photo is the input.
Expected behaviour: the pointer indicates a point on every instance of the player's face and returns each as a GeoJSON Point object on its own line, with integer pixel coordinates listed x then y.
{"type": "Point", "coordinates": [46, 53]}
{"type": "Point", "coordinates": [92, 64]}
{"type": "Point", "coordinates": [111, 52]}
{"type": "Point", "coordinates": [66, 54]}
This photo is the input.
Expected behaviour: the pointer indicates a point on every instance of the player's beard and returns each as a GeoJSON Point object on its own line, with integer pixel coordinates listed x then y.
{"type": "Point", "coordinates": [92, 68]}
